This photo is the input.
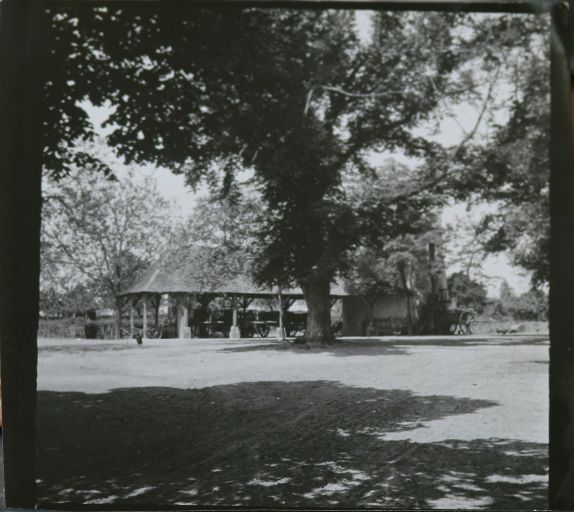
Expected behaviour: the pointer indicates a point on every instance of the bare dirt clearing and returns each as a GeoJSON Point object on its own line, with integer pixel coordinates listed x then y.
{"type": "Point", "coordinates": [441, 422]}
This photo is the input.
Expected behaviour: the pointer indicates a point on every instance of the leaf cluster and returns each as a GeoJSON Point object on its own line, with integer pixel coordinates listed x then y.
{"type": "Point", "coordinates": [100, 234]}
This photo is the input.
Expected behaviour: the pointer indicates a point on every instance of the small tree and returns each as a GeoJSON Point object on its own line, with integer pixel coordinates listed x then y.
{"type": "Point", "coordinates": [81, 298]}
{"type": "Point", "coordinates": [409, 258]}
{"type": "Point", "coordinates": [468, 292]}
{"type": "Point", "coordinates": [222, 234]}
{"type": "Point", "coordinates": [100, 233]}
{"type": "Point", "coordinates": [394, 235]}
{"type": "Point", "coordinates": [531, 305]}
{"type": "Point", "coordinates": [371, 278]}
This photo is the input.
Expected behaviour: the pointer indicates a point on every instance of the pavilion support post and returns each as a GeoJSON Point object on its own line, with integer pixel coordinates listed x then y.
{"type": "Point", "coordinates": [156, 303]}
{"type": "Point", "coordinates": [234, 332]}
{"type": "Point", "coordinates": [280, 333]}
{"type": "Point", "coordinates": [131, 318]}
{"type": "Point", "coordinates": [119, 316]}
{"type": "Point", "coordinates": [182, 317]}
{"type": "Point", "coordinates": [191, 315]}
{"type": "Point", "coordinates": [144, 316]}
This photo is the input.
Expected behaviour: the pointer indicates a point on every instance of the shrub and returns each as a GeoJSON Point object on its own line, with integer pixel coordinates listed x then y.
{"type": "Point", "coordinates": [91, 330]}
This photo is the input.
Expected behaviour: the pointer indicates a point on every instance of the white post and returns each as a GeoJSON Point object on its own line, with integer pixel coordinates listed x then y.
{"type": "Point", "coordinates": [234, 332]}
{"type": "Point", "coordinates": [182, 318]}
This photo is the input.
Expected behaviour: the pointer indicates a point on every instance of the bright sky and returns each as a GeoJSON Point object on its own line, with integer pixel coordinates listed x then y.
{"type": "Point", "coordinates": [498, 267]}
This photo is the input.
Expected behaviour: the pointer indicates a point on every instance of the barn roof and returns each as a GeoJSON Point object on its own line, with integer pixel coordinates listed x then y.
{"type": "Point", "coordinates": [205, 270]}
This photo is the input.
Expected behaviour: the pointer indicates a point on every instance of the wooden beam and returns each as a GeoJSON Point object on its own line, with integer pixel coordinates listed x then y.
{"type": "Point", "coordinates": [156, 300]}
{"type": "Point", "coordinates": [131, 318]}
{"type": "Point", "coordinates": [281, 327]}
{"type": "Point", "coordinates": [144, 317]}
{"type": "Point", "coordinates": [119, 316]}
{"type": "Point", "coordinates": [21, 46]}
{"type": "Point", "coordinates": [191, 314]}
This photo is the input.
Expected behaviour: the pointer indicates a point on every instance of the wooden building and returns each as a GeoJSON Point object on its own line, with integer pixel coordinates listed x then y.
{"type": "Point", "coordinates": [192, 278]}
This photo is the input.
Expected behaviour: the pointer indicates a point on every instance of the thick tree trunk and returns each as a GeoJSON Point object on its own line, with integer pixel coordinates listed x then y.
{"type": "Point", "coordinates": [317, 297]}
{"type": "Point", "coordinates": [561, 484]}
{"type": "Point", "coordinates": [411, 315]}
{"type": "Point", "coordinates": [20, 204]}
{"type": "Point", "coordinates": [370, 330]}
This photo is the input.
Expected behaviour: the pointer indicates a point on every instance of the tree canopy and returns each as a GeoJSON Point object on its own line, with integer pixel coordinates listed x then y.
{"type": "Point", "coordinates": [295, 95]}
{"type": "Point", "coordinates": [392, 257]}
{"type": "Point", "coordinates": [468, 292]}
{"type": "Point", "coordinates": [222, 234]}
{"type": "Point", "coordinates": [99, 235]}
{"type": "Point", "coordinates": [511, 170]}
{"type": "Point", "coordinates": [531, 305]}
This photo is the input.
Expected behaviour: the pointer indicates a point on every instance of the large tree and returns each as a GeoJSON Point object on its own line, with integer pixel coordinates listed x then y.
{"type": "Point", "coordinates": [296, 95]}
{"type": "Point", "coordinates": [393, 239]}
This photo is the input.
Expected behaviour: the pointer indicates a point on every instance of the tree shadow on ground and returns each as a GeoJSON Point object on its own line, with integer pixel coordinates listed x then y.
{"type": "Point", "coordinates": [338, 348]}
{"type": "Point", "coordinates": [267, 444]}
{"type": "Point", "coordinates": [472, 342]}
{"type": "Point", "coordinates": [376, 347]}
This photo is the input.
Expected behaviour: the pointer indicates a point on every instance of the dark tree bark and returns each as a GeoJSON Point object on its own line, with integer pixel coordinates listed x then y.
{"type": "Point", "coordinates": [411, 314]}
{"type": "Point", "coordinates": [20, 204]}
{"type": "Point", "coordinates": [317, 296]}
{"type": "Point", "coordinates": [561, 484]}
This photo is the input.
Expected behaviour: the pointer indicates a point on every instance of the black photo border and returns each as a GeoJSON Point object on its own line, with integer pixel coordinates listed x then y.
{"type": "Point", "coordinates": [20, 208]}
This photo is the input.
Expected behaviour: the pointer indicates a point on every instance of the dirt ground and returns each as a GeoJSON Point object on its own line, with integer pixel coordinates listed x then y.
{"type": "Point", "coordinates": [456, 422]}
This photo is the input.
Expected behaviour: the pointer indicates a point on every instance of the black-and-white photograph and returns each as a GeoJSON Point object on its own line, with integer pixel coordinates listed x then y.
{"type": "Point", "coordinates": [293, 257]}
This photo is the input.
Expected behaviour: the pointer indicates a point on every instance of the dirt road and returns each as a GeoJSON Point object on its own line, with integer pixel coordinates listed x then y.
{"type": "Point", "coordinates": [443, 423]}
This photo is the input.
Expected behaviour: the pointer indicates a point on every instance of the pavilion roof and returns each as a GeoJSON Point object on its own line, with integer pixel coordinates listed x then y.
{"type": "Point", "coordinates": [199, 270]}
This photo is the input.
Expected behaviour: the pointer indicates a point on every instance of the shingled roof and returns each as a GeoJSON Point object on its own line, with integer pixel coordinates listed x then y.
{"type": "Point", "coordinates": [202, 270]}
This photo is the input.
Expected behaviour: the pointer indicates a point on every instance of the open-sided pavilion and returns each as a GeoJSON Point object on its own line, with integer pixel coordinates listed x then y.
{"type": "Point", "coordinates": [191, 278]}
